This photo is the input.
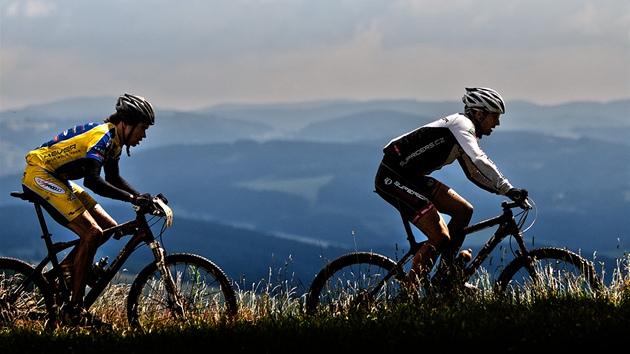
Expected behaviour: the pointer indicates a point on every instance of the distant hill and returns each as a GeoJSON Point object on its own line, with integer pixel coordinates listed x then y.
{"type": "Point", "coordinates": [21, 130]}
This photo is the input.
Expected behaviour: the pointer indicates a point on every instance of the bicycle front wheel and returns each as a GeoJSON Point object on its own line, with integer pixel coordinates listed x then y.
{"type": "Point", "coordinates": [355, 281]}
{"type": "Point", "coordinates": [551, 271]}
{"type": "Point", "coordinates": [204, 293]}
{"type": "Point", "coordinates": [19, 301]}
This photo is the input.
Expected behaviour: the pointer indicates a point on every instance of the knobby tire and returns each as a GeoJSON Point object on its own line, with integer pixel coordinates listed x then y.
{"type": "Point", "coordinates": [35, 302]}
{"type": "Point", "coordinates": [207, 293]}
{"type": "Point", "coordinates": [344, 283]}
{"type": "Point", "coordinates": [549, 269]}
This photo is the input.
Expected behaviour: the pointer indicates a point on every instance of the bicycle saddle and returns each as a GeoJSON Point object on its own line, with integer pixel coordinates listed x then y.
{"type": "Point", "coordinates": [22, 196]}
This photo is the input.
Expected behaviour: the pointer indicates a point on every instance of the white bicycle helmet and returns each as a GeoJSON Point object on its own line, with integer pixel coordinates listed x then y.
{"type": "Point", "coordinates": [136, 104]}
{"type": "Point", "coordinates": [484, 98]}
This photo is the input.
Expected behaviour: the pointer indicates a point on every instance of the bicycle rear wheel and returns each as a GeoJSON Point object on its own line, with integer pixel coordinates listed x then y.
{"type": "Point", "coordinates": [33, 303]}
{"type": "Point", "coordinates": [206, 293]}
{"type": "Point", "coordinates": [549, 270]}
{"type": "Point", "coordinates": [349, 283]}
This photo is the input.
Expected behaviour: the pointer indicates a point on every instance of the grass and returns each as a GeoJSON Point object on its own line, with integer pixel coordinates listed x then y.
{"type": "Point", "coordinates": [271, 319]}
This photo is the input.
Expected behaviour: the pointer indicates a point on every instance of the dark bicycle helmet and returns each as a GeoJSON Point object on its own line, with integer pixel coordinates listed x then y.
{"type": "Point", "coordinates": [136, 104]}
{"type": "Point", "coordinates": [484, 98]}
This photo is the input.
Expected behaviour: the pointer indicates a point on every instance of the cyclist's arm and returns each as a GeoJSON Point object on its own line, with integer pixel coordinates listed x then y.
{"type": "Point", "coordinates": [476, 164]}
{"type": "Point", "coordinates": [94, 182]}
{"type": "Point", "coordinates": [112, 175]}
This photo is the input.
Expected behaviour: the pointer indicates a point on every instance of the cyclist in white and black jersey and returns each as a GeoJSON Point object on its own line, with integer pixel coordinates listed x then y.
{"type": "Point", "coordinates": [403, 177]}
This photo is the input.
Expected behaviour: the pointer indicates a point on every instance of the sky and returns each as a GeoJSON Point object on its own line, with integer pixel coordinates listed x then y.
{"type": "Point", "coordinates": [191, 54]}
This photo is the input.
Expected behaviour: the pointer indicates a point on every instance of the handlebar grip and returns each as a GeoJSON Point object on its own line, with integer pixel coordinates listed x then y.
{"type": "Point", "coordinates": [524, 204]}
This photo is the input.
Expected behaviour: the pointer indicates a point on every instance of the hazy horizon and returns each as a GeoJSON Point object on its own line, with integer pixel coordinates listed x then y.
{"type": "Point", "coordinates": [188, 55]}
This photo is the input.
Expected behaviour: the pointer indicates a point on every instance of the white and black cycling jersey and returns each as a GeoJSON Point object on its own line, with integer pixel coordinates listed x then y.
{"type": "Point", "coordinates": [432, 146]}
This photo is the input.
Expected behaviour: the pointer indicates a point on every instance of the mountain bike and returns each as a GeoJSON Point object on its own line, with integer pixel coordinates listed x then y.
{"type": "Point", "coordinates": [179, 286]}
{"type": "Point", "coordinates": [363, 279]}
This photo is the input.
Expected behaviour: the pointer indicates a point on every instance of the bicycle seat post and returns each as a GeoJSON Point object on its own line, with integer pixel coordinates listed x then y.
{"type": "Point", "coordinates": [410, 236]}
{"type": "Point", "coordinates": [46, 235]}
{"type": "Point", "coordinates": [42, 222]}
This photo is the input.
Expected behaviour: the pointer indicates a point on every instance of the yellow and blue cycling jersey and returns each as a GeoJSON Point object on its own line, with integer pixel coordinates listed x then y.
{"type": "Point", "coordinates": [66, 154]}
{"type": "Point", "coordinates": [77, 153]}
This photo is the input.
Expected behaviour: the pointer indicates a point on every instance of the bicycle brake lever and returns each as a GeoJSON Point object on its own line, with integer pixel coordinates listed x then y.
{"type": "Point", "coordinates": [161, 196]}
{"type": "Point", "coordinates": [163, 210]}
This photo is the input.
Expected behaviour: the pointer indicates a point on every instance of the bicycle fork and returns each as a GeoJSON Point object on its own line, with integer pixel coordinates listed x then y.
{"type": "Point", "coordinates": [174, 298]}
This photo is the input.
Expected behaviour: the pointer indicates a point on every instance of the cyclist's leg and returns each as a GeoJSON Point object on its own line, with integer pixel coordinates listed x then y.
{"type": "Point", "coordinates": [447, 201]}
{"type": "Point", "coordinates": [102, 218]}
{"type": "Point", "coordinates": [433, 226]}
{"type": "Point", "coordinates": [82, 255]}
{"type": "Point", "coordinates": [58, 197]}
{"type": "Point", "coordinates": [89, 229]}
{"type": "Point", "coordinates": [413, 201]}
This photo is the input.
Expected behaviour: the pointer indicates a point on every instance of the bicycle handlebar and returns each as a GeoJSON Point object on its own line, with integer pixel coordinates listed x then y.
{"type": "Point", "coordinates": [157, 208]}
{"type": "Point", "coordinates": [524, 204]}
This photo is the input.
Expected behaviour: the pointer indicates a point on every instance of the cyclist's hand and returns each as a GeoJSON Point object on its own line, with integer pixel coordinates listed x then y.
{"type": "Point", "coordinates": [142, 200]}
{"type": "Point", "coordinates": [518, 195]}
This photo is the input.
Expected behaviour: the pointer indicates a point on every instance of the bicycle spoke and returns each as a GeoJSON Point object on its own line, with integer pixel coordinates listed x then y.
{"type": "Point", "coordinates": [353, 282]}
{"type": "Point", "coordinates": [27, 305]}
{"type": "Point", "coordinates": [204, 294]}
{"type": "Point", "coordinates": [549, 271]}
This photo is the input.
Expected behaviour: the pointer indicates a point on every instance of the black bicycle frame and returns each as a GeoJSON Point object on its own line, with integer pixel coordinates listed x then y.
{"type": "Point", "coordinates": [507, 227]}
{"type": "Point", "coordinates": [142, 234]}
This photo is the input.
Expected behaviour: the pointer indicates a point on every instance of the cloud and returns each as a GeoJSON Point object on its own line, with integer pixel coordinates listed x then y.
{"type": "Point", "coordinates": [30, 9]}
{"type": "Point", "coordinates": [194, 53]}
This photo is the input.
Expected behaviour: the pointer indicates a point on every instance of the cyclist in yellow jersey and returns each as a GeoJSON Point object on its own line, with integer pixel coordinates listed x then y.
{"type": "Point", "coordinates": [82, 152]}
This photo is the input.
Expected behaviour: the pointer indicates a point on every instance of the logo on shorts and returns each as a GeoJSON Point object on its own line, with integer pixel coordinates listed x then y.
{"type": "Point", "coordinates": [388, 181]}
{"type": "Point", "coordinates": [49, 186]}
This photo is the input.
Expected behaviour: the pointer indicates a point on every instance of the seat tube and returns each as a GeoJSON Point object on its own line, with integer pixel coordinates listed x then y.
{"type": "Point", "coordinates": [46, 235]}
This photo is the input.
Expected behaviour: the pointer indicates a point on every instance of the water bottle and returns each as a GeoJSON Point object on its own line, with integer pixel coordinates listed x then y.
{"type": "Point", "coordinates": [66, 272]}
{"type": "Point", "coordinates": [98, 269]}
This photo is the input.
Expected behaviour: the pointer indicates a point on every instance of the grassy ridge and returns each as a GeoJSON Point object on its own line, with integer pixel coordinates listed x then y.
{"type": "Point", "coordinates": [271, 319]}
{"type": "Point", "coordinates": [495, 325]}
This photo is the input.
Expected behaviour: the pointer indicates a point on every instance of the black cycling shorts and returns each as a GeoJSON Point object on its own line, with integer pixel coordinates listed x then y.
{"type": "Point", "coordinates": [413, 200]}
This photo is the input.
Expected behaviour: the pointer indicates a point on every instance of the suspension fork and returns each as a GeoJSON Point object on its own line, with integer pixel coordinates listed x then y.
{"type": "Point", "coordinates": [512, 229]}
{"type": "Point", "coordinates": [174, 298]}
{"type": "Point", "coordinates": [523, 252]}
